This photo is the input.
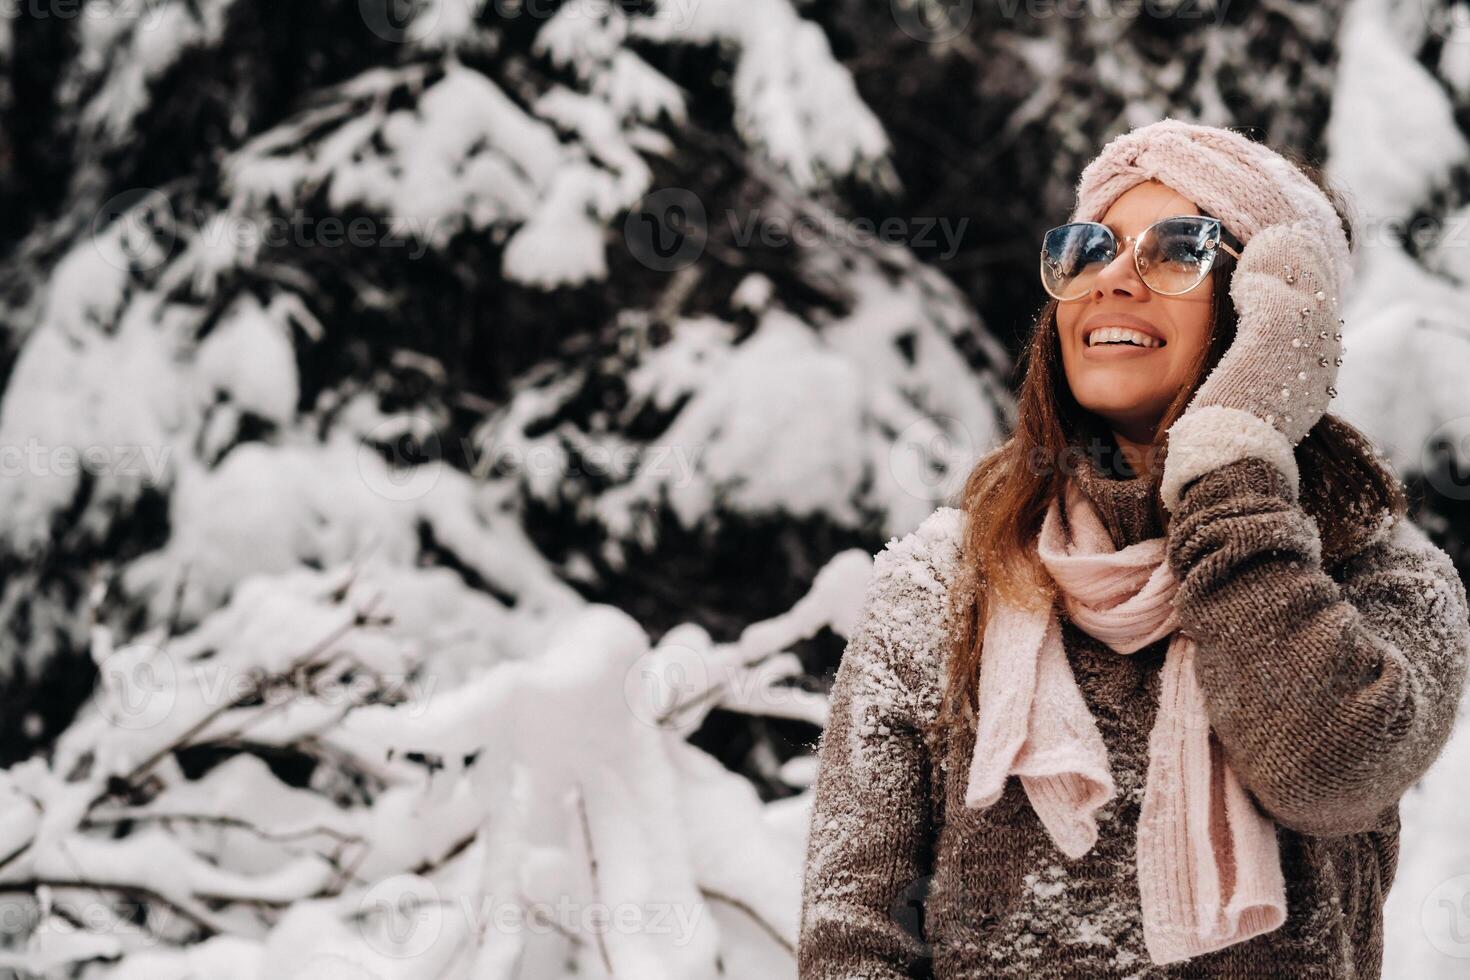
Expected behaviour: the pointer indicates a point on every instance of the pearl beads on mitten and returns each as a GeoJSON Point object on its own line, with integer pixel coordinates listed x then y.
{"type": "Point", "coordinates": [1288, 342]}
{"type": "Point", "coordinates": [1275, 381]}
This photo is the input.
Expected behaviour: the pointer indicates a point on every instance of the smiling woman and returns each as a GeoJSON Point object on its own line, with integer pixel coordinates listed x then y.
{"type": "Point", "coordinates": [1213, 673]}
{"type": "Point", "coordinates": [1131, 387]}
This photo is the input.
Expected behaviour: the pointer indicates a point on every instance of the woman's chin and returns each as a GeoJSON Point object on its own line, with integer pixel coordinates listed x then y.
{"type": "Point", "coordinates": [1123, 409]}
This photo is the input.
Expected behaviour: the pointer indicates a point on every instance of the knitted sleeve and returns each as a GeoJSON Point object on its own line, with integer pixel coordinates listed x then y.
{"type": "Point", "coordinates": [870, 840]}
{"type": "Point", "coordinates": [1330, 694]}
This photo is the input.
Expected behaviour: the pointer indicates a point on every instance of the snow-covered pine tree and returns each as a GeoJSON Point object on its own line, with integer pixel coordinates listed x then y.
{"type": "Point", "coordinates": [346, 380]}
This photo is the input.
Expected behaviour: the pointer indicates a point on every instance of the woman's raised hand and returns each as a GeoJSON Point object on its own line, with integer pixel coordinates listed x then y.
{"type": "Point", "coordinates": [1288, 342]}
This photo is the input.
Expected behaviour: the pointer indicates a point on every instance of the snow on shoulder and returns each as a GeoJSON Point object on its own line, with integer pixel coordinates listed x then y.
{"type": "Point", "coordinates": [929, 551]}
{"type": "Point", "coordinates": [906, 609]}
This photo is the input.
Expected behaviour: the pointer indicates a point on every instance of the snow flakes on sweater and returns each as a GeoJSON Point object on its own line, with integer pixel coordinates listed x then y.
{"type": "Point", "coordinates": [901, 635]}
{"type": "Point", "coordinates": [998, 900]}
{"type": "Point", "coordinates": [1330, 695]}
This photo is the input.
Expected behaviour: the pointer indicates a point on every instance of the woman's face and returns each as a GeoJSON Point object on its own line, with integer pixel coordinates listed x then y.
{"type": "Point", "coordinates": [1130, 387]}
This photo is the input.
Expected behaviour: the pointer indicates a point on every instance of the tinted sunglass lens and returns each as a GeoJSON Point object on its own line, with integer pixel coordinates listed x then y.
{"type": "Point", "coordinates": [1072, 255]}
{"type": "Point", "coordinates": [1176, 254]}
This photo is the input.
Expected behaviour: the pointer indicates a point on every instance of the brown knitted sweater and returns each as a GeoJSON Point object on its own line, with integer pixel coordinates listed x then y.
{"type": "Point", "coordinates": [1331, 691]}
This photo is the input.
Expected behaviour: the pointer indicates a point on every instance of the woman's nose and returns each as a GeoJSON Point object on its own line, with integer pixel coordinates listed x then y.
{"type": "Point", "coordinates": [1119, 276]}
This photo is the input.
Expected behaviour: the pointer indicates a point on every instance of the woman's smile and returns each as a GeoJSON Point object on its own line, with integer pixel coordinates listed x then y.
{"type": "Point", "coordinates": [1110, 336]}
{"type": "Point", "coordinates": [1130, 324]}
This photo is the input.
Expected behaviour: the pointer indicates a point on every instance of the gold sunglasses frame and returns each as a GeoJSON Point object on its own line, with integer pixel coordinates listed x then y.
{"type": "Point", "coordinates": [1216, 241]}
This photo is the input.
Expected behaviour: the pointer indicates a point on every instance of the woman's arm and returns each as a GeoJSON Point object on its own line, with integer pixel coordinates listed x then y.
{"type": "Point", "coordinates": [1330, 700]}
{"type": "Point", "coordinates": [872, 828]}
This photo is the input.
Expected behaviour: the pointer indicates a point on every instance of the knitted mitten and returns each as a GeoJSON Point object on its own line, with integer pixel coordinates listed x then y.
{"type": "Point", "coordinates": [1275, 381]}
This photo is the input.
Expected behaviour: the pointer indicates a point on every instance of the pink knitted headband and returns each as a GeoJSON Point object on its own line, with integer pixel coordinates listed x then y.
{"type": "Point", "coordinates": [1245, 184]}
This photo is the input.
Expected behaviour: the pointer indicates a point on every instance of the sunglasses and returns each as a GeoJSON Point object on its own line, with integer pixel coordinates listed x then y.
{"type": "Point", "coordinates": [1172, 255]}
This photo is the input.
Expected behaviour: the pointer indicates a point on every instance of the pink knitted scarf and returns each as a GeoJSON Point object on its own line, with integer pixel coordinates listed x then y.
{"type": "Point", "coordinates": [1209, 871]}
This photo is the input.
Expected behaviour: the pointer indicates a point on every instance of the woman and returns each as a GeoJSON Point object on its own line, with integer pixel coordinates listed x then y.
{"type": "Point", "coordinates": [1181, 605]}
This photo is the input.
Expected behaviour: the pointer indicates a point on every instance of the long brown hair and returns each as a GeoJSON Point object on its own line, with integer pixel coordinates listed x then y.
{"type": "Point", "coordinates": [1344, 484]}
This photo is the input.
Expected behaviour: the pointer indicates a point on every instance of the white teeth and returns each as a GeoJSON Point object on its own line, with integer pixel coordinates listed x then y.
{"type": "Point", "coordinates": [1103, 335]}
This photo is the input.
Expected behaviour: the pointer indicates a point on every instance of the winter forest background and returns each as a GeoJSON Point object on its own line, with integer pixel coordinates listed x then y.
{"type": "Point", "coordinates": [444, 442]}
